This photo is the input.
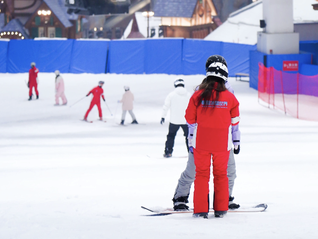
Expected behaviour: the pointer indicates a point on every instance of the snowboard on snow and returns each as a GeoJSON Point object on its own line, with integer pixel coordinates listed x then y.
{"type": "Point", "coordinates": [169, 211]}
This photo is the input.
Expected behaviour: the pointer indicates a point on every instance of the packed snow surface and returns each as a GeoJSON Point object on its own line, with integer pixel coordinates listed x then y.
{"type": "Point", "coordinates": [64, 178]}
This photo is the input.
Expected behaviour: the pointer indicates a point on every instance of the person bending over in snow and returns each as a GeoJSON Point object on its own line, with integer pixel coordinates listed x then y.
{"type": "Point", "coordinates": [97, 93]}
{"type": "Point", "coordinates": [59, 88]}
{"type": "Point", "coordinates": [33, 81]}
{"type": "Point", "coordinates": [127, 101]}
{"type": "Point", "coordinates": [182, 191]}
{"type": "Point", "coordinates": [177, 101]}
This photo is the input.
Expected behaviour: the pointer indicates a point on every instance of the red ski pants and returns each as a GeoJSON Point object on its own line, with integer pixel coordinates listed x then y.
{"type": "Point", "coordinates": [35, 89]}
{"type": "Point", "coordinates": [91, 107]}
{"type": "Point", "coordinates": [202, 160]}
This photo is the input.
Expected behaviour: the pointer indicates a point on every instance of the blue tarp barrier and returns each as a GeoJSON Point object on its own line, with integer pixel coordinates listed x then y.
{"type": "Point", "coordinates": [195, 54]}
{"type": "Point", "coordinates": [276, 61]}
{"type": "Point", "coordinates": [256, 57]}
{"type": "Point", "coordinates": [309, 70]}
{"type": "Point", "coordinates": [89, 56]}
{"type": "Point", "coordinates": [310, 47]}
{"type": "Point", "coordinates": [163, 56]}
{"type": "Point", "coordinates": [237, 57]}
{"type": "Point", "coordinates": [3, 56]}
{"type": "Point", "coordinates": [49, 55]}
{"type": "Point", "coordinates": [168, 56]}
{"type": "Point", "coordinates": [126, 57]}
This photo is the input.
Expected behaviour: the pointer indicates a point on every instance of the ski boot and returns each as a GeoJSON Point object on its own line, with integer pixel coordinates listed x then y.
{"type": "Point", "coordinates": [233, 205]}
{"type": "Point", "coordinates": [219, 214]}
{"type": "Point", "coordinates": [134, 122]}
{"type": "Point", "coordinates": [122, 122]}
{"type": "Point", "coordinates": [30, 98]}
{"type": "Point", "coordinates": [37, 97]}
{"type": "Point", "coordinates": [204, 215]}
{"type": "Point", "coordinates": [179, 204]}
{"type": "Point", "coordinates": [167, 155]}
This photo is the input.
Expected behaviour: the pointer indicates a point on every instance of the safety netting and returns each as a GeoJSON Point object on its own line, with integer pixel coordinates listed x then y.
{"type": "Point", "coordinates": [293, 93]}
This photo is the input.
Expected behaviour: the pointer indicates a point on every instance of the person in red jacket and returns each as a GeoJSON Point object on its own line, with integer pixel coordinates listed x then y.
{"type": "Point", "coordinates": [213, 109]}
{"type": "Point", "coordinates": [33, 81]}
{"type": "Point", "coordinates": [97, 93]}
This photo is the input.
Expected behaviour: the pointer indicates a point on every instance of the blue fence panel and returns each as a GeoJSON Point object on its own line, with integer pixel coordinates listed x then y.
{"type": "Point", "coordinates": [237, 57]}
{"type": "Point", "coordinates": [195, 54]}
{"type": "Point", "coordinates": [256, 57]}
{"type": "Point", "coordinates": [163, 56]}
{"type": "Point", "coordinates": [89, 56]}
{"type": "Point", "coordinates": [310, 47]}
{"type": "Point", "coordinates": [49, 55]}
{"type": "Point", "coordinates": [126, 57]}
{"type": "Point", "coordinates": [3, 56]}
{"type": "Point", "coordinates": [276, 61]}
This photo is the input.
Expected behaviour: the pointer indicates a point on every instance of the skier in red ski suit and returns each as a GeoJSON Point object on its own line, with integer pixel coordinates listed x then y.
{"type": "Point", "coordinates": [33, 81]}
{"type": "Point", "coordinates": [97, 93]}
{"type": "Point", "coordinates": [214, 109]}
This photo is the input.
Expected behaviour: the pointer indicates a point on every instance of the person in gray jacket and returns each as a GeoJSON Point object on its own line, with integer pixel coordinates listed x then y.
{"type": "Point", "coordinates": [177, 101]}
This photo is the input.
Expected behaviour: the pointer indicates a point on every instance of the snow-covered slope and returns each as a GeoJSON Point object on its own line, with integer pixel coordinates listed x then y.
{"type": "Point", "coordinates": [67, 179]}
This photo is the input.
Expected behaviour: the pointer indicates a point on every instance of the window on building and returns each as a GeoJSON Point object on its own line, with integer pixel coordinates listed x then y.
{"type": "Point", "coordinates": [58, 32]}
{"type": "Point", "coordinates": [51, 32]}
{"type": "Point", "coordinates": [37, 20]}
{"type": "Point", "coordinates": [34, 32]}
{"type": "Point", "coordinates": [51, 21]}
{"type": "Point", "coordinates": [41, 32]}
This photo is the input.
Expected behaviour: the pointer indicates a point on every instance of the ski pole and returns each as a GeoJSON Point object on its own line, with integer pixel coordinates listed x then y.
{"type": "Point", "coordinates": [108, 108]}
{"type": "Point", "coordinates": [78, 101]}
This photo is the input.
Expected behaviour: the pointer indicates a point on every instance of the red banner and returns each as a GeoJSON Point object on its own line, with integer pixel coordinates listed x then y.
{"type": "Point", "coordinates": [290, 65]}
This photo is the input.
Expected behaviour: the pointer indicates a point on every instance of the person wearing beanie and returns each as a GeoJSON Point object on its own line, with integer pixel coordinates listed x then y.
{"type": "Point", "coordinates": [177, 102]}
{"type": "Point", "coordinates": [127, 105]}
{"type": "Point", "coordinates": [97, 92]}
{"type": "Point", "coordinates": [59, 89]}
{"type": "Point", "coordinates": [33, 81]}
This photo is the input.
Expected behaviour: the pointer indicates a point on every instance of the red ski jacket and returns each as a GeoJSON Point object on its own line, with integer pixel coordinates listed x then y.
{"type": "Point", "coordinates": [213, 124]}
{"type": "Point", "coordinates": [33, 74]}
{"type": "Point", "coordinates": [97, 93]}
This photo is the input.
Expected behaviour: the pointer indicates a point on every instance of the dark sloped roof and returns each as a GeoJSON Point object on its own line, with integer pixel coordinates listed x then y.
{"type": "Point", "coordinates": [15, 26]}
{"type": "Point", "coordinates": [174, 8]}
{"type": "Point", "coordinates": [59, 9]}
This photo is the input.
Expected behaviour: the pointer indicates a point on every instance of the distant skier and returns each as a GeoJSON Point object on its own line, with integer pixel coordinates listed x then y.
{"type": "Point", "coordinates": [33, 81]}
{"type": "Point", "coordinates": [59, 89]}
{"type": "Point", "coordinates": [97, 93]}
{"type": "Point", "coordinates": [177, 101]}
{"type": "Point", "coordinates": [127, 101]}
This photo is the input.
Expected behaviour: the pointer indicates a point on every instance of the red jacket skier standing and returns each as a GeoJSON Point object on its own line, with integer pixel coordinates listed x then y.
{"type": "Point", "coordinates": [33, 81]}
{"type": "Point", "coordinates": [214, 109]}
{"type": "Point", "coordinates": [97, 93]}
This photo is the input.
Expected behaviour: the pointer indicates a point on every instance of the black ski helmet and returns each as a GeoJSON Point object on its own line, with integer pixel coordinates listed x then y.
{"type": "Point", "coordinates": [178, 82]}
{"type": "Point", "coordinates": [216, 66]}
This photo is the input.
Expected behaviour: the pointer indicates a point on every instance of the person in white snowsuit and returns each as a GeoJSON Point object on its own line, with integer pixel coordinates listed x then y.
{"type": "Point", "coordinates": [59, 89]}
{"type": "Point", "coordinates": [127, 100]}
{"type": "Point", "coordinates": [177, 101]}
{"type": "Point", "coordinates": [182, 191]}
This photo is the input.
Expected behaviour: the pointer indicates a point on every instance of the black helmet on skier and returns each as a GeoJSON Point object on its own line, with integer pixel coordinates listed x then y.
{"type": "Point", "coordinates": [216, 66]}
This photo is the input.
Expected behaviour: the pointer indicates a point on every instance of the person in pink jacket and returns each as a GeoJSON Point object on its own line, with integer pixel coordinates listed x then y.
{"type": "Point", "coordinates": [59, 89]}
{"type": "Point", "coordinates": [127, 101]}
